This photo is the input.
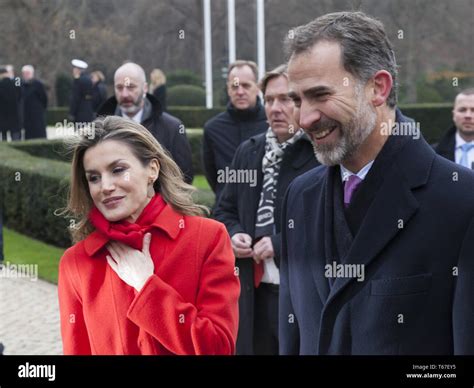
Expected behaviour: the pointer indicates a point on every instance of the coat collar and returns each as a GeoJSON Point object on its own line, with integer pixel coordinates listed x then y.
{"type": "Point", "coordinates": [297, 160]}
{"type": "Point", "coordinates": [246, 114]}
{"type": "Point", "coordinates": [109, 107]}
{"type": "Point", "coordinates": [169, 221]}
{"type": "Point", "coordinates": [447, 144]}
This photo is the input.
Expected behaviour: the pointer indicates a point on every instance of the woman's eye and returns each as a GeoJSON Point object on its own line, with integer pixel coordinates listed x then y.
{"type": "Point", "coordinates": [93, 178]}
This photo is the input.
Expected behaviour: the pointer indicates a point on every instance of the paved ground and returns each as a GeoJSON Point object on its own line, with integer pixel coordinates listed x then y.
{"type": "Point", "coordinates": [29, 317]}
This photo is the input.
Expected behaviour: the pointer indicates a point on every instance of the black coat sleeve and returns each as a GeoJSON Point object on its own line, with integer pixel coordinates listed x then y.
{"type": "Point", "coordinates": [208, 158]}
{"type": "Point", "coordinates": [43, 97]}
{"type": "Point", "coordinates": [227, 210]}
{"type": "Point", "coordinates": [75, 98]}
{"type": "Point", "coordinates": [276, 242]}
{"type": "Point", "coordinates": [182, 154]}
{"type": "Point", "coordinates": [288, 329]}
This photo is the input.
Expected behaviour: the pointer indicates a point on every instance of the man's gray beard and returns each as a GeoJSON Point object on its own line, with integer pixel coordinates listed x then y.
{"type": "Point", "coordinates": [352, 136]}
{"type": "Point", "coordinates": [133, 109]}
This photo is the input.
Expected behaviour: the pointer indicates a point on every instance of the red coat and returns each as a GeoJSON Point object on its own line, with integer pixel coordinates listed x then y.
{"type": "Point", "coordinates": [189, 305]}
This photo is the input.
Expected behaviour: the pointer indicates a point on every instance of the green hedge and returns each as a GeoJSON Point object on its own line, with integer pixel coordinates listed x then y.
{"type": "Point", "coordinates": [191, 116]}
{"type": "Point", "coordinates": [42, 148]}
{"type": "Point", "coordinates": [186, 95]}
{"type": "Point", "coordinates": [434, 119]}
{"type": "Point", "coordinates": [32, 189]}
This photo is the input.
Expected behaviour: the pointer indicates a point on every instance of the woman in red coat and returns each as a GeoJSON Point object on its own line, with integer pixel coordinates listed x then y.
{"type": "Point", "coordinates": [147, 274]}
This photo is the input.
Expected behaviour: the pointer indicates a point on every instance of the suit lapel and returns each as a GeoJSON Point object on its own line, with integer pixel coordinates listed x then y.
{"type": "Point", "coordinates": [391, 210]}
{"type": "Point", "coordinates": [316, 234]}
{"type": "Point", "coordinates": [255, 163]}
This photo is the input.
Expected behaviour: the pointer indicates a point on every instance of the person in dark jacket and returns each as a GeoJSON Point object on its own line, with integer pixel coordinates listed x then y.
{"type": "Point", "coordinates": [243, 118]}
{"type": "Point", "coordinates": [35, 102]}
{"type": "Point", "coordinates": [9, 106]}
{"type": "Point", "coordinates": [158, 87]}
{"type": "Point", "coordinates": [99, 90]}
{"type": "Point", "coordinates": [457, 144]}
{"type": "Point", "coordinates": [251, 212]}
{"type": "Point", "coordinates": [81, 110]}
{"type": "Point", "coordinates": [131, 100]}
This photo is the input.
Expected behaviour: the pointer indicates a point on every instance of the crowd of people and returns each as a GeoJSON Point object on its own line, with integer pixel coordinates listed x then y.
{"type": "Point", "coordinates": [349, 240]}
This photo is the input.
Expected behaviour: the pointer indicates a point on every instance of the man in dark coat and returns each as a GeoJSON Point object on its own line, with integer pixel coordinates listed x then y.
{"type": "Point", "coordinates": [9, 106]}
{"type": "Point", "coordinates": [131, 100]}
{"type": "Point", "coordinates": [251, 211]}
{"type": "Point", "coordinates": [81, 110]}
{"type": "Point", "coordinates": [35, 102]}
{"type": "Point", "coordinates": [375, 259]}
{"type": "Point", "coordinates": [457, 144]}
{"type": "Point", "coordinates": [243, 118]}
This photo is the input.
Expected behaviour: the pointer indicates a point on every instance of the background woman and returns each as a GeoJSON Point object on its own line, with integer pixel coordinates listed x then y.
{"type": "Point", "coordinates": [158, 87]}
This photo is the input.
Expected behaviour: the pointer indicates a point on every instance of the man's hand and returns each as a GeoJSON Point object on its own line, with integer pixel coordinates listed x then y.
{"type": "Point", "coordinates": [263, 249]}
{"type": "Point", "coordinates": [242, 245]}
{"type": "Point", "coordinates": [132, 266]}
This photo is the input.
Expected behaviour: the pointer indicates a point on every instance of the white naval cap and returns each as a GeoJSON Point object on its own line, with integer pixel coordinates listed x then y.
{"type": "Point", "coordinates": [79, 64]}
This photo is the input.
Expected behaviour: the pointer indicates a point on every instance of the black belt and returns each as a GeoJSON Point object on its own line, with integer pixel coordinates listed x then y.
{"type": "Point", "coordinates": [270, 286]}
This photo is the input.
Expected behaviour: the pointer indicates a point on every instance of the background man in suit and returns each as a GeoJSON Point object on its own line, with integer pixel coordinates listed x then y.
{"type": "Point", "coordinates": [251, 212]}
{"type": "Point", "coordinates": [377, 245]}
{"type": "Point", "coordinates": [243, 118]}
{"type": "Point", "coordinates": [458, 142]}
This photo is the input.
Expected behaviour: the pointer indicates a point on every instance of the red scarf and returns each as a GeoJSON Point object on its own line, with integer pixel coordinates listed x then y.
{"type": "Point", "coordinates": [124, 231]}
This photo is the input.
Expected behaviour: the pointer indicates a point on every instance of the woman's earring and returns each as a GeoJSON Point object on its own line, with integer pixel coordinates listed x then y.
{"type": "Point", "coordinates": [151, 190]}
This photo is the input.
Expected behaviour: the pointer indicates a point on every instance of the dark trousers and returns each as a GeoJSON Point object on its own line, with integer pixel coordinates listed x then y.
{"type": "Point", "coordinates": [266, 320]}
{"type": "Point", "coordinates": [14, 133]}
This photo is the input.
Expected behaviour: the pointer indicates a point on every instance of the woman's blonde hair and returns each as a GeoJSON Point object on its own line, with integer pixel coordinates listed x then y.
{"type": "Point", "coordinates": [145, 147]}
{"type": "Point", "coordinates": [100, 76]}
{"type": "Point", "coordinates": [157, 78]}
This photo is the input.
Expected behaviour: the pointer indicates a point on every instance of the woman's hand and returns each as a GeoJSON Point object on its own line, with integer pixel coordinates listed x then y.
{"type": "Point", "coordinates": [132, 266]}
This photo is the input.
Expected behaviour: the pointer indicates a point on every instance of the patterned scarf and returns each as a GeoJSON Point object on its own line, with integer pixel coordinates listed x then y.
{"type": "Point", "coordinates": [274, 152]}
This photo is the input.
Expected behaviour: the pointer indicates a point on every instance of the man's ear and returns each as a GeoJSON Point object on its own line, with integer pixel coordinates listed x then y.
{"type": "Point", "coordinates": [145, 87]}
{"type": "Point", "coordinates": [382, 86]}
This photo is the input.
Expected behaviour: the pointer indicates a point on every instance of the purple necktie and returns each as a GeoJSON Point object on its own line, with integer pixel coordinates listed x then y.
{"type": "Point", "coordinates": [350, 187]}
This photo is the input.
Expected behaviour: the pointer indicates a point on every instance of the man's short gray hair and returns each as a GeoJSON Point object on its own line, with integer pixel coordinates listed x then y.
{"type": "Point", "coordinates": [280, 71]}
{"type": "Point", "coordinates": [466, 92]}
{"type": "Point", "coordinates": [242, 63]}
{"type": "Point", "coordinates": [365, 47]}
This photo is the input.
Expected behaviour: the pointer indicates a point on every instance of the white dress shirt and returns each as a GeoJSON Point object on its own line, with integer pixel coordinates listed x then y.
{"type": "Point", "coordinates": [345, 173]}
{"type": "Point", "coordinates": [458, 152]}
